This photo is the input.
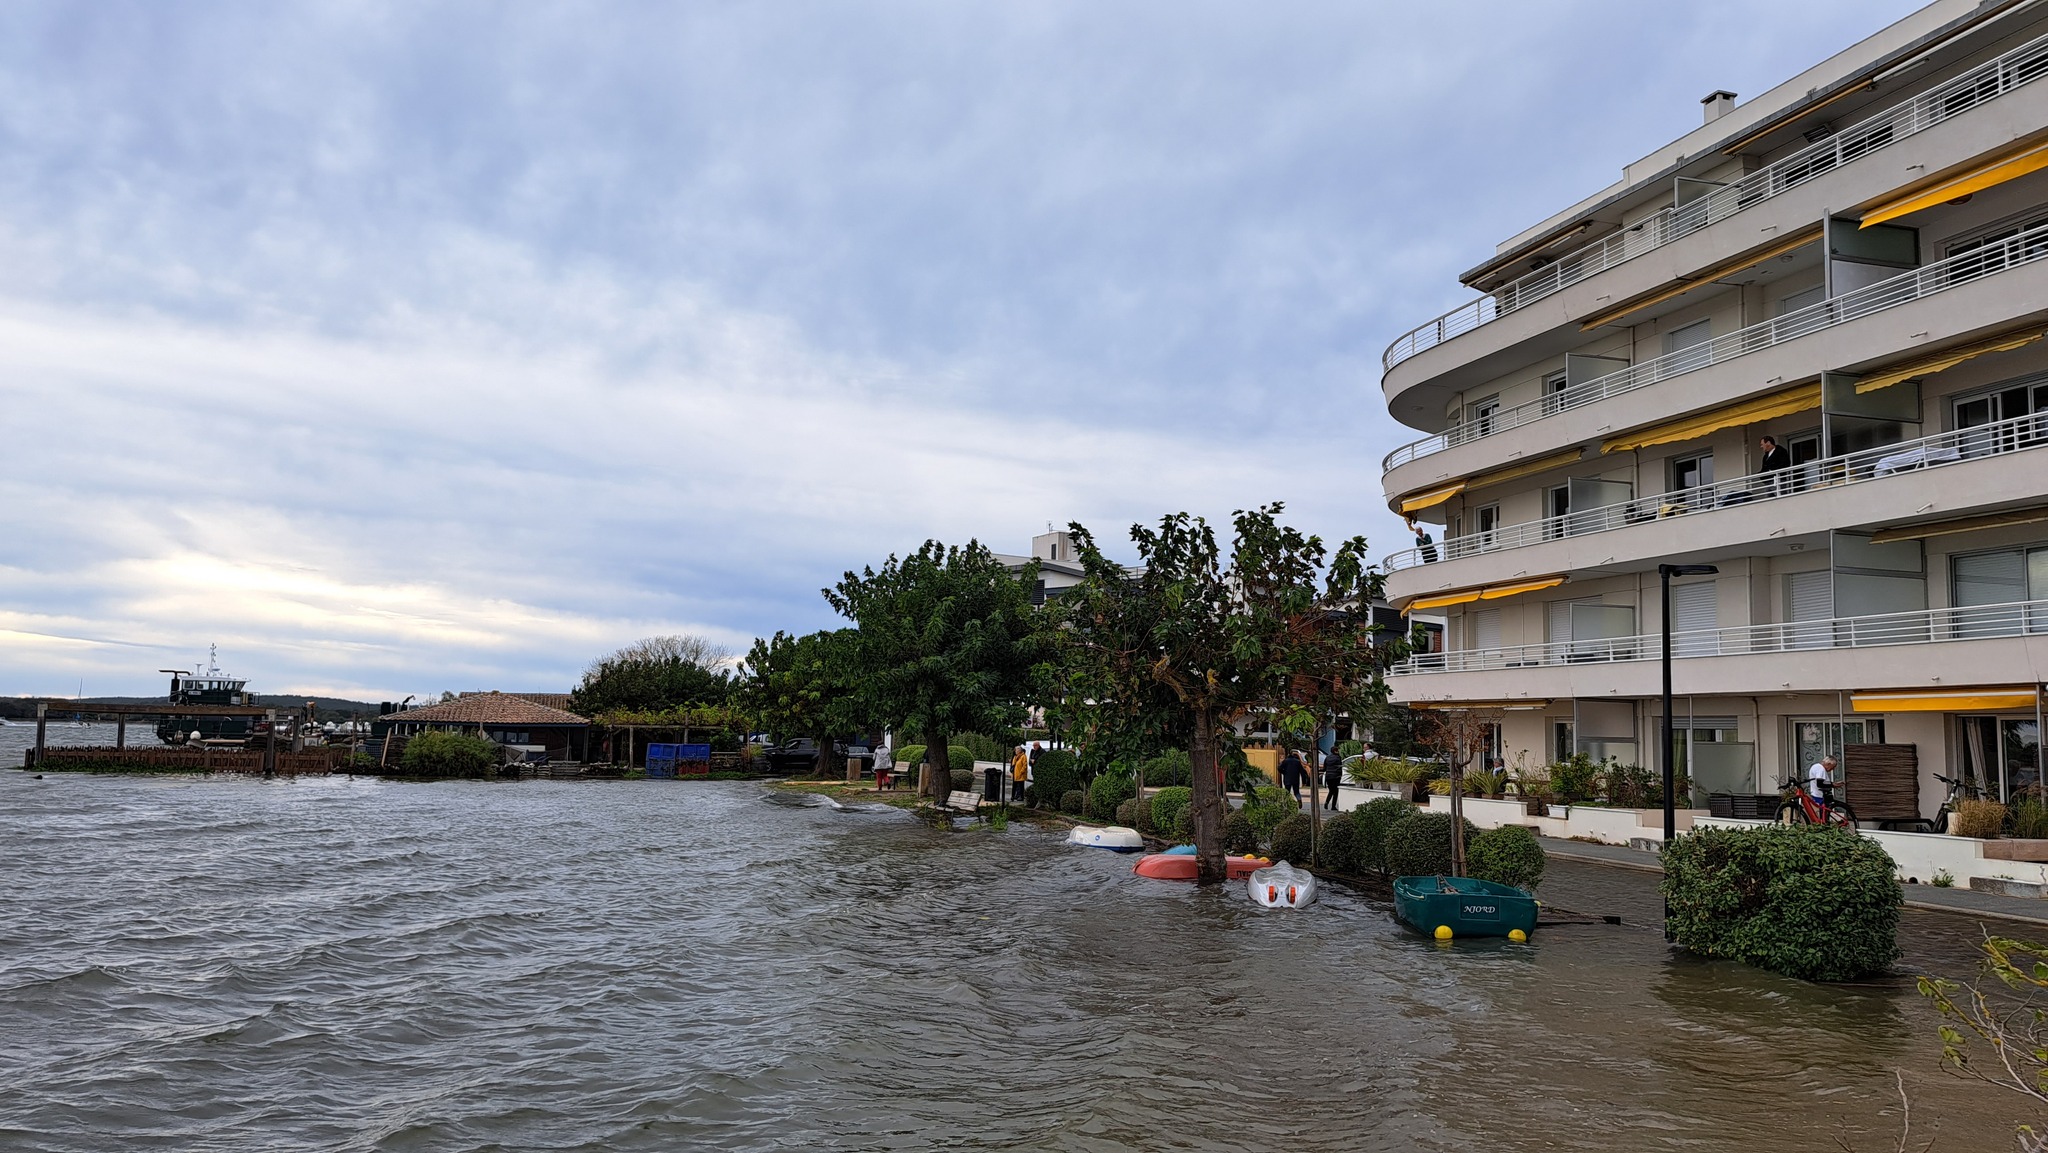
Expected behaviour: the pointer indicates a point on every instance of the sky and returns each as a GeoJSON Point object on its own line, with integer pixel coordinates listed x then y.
{"type": "Point", "coordinates": [406, 347]}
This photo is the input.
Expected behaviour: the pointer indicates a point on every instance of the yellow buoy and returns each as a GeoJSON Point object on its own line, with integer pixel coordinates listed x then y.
{"type": "Point", "coordinates": [1443, 932]}
{"type": "Point", "coordinates": [1517, 935]}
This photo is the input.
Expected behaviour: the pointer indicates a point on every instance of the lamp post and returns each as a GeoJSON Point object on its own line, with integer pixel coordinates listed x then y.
{"type": "Point", "coordinates": [1664, 574]}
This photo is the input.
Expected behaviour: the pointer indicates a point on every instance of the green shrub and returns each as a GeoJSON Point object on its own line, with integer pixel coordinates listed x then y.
{"type": "Point", "coordinates": [1167, 804]}
{"type": "Point", "coordinates": [1238, 774]}
{"type": "Point", "coordinates": [1375, 817]}
{"type": "Point", "coordinates": [1168, 768]}
{"type": "Point", "coordinates": [1340, 845]}
{"type": "Point", "coordinates": [1073, 801]}
{"type": "Point", "coordinates": [1266, 807]}
{"type": "Point", "coordinates": [1972, 818]}
{"type": "Point", "coordinates": [1293, 840]}
{"type": "Point", "coordinates": [985, 748]}
{"type": "Point", "coordinates": [1127, 813]}
{"type": "Point", "coordinates": [2029, 815]}
{"type": "Point", "coordinates": [958, 759]}
{"type": "Point", "coordinates": [1053, 776]}
{"type": "Point", "coordinates": [1509, 855]}
{"type": "Point", "coordinates": [1108, 791]}
{"type": "Point", "coordinates": [1350, 748]}
{"type": "Point", "coordinates": [908, 755]}
{"type": "Point", "coordinates": [962, 781]}
{"type": "Point", "coordinates": [1817, 903]}
{"type": "Point", "coordinates": [1183, 825]}
{"type": "Point", "coordinates": [1142, 818]}
{"type": "Point", "coordinates": [1419, 845]}
{"type": "Point", "coordinates": [448, 755]}
{"type": "Point", "coordinates": [1238, 835]}
{"type": "Point", "coordinates": [1575, 780]}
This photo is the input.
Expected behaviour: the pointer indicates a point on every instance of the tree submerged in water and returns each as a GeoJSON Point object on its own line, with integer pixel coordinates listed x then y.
{"type": "Point", "coordinates": [1213, 639]}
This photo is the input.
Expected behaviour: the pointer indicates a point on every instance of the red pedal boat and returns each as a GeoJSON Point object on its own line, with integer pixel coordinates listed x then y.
{"type": "Point", "coordinates": [1182, 866]}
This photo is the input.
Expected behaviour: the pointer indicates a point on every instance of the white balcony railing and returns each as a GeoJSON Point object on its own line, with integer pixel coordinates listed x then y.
{"type": "Point", "coordinates": [1939, 450]}
{"type": "Point", "coordinates": [1927, 280]}
{"type": "Point", "coordinates": [1987, 81]}
{"type": "Point", "coordinates": [1930, 626]}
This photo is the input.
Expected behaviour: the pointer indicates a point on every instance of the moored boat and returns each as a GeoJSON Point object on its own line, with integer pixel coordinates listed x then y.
{"type": "Point", "coordinates": [1448, 907]}
{"type": "Point", "coordinates": [1281, 886]}
{"type": "Point", "coordinates": [1115, 838]}
{"type": "Point", "coordinates": [1182, 866]}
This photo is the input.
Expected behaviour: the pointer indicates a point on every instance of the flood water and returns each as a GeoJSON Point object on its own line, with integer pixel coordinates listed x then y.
{"type": "Point", "coordinates": [358, 964]}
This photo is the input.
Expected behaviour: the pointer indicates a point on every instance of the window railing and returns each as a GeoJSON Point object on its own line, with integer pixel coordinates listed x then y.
{"type": "Point", "coordinates": [1939, 450]}
{"type": "Point", "coordinates": [2021, 248]}
{"type": "Point", "coordinates": [1928, 626]}
{"type": "Point", "coordinates": [1987, 81]}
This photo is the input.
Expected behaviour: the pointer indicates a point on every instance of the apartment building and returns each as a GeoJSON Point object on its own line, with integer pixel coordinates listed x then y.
{"type": "Point", "coordinates": [1854, 264]}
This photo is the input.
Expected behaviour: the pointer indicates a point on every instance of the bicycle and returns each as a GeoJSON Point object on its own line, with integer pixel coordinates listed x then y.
{"type": "Point", "coordinates": [1800, 808]}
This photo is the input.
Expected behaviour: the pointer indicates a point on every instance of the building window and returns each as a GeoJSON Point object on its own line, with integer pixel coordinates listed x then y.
{"type": "Point", "coordinates": [1480, 414]}
{"type": "Point", "coordinates": [2000, 755]}
{"type": "Point", "coordinates": [1562, 742]}
{"type": "Point", "coordinates": [2002, 578]}
{"type": "Point", "coordinates": [1817, 738]}
{"type": "Point", "coordinates": [1690, 345]}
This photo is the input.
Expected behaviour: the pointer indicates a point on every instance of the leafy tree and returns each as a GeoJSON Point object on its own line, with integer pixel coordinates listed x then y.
{"type": "Point", "coordinates": [2011, 1022]}
{"type": "Point", "coordinates": [947, 639]}
{"type": "Point", "coordinates": [442, 754]}
{"type": "Point", "coordinates": [804, 687]}
{"type": "Point", "coordinates": [655, 674]}
{"type": "Point", "coordinates": [1215, 639]}
{"type": "Point", "coordinates": [1460, 737]}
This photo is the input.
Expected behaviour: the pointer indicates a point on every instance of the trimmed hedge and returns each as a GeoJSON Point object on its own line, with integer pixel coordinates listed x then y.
{"type": "Point", "coordinates": [1107, 792]}
{"type": "Point", "coordinates": [1341, 843]}
{"type": "Point", "coordinates": [449, 755]}
{"type": "Point", "coordinates": [1168, 768]}
{"type": "Point", "coordinates": [1293, 840]}
{"type": "Point", "coordinates": [1266, 807]}
{"type": "Point", "coordinates": [1375, 817]}
{"type": "Point", "coordinates": [1073, 801]}
{"type": "Point", "coordinates": [1055, 774]}
{"type": "Point", "coordinates": [1509, 855]}
{"type": "Point", "coordinates": [908, 755]}
{"type": "Point", "coordinates": [1127, 813]}
{"type": "Point", "coordinates": [960, 781]}
{"type": "Point", "coordinates": [1238, 835]}
{"type": "Point", "coordinates": [1167, 804]}
{"type": "Point", "coordinates": [1813, 902]}
{"type": "Point", "coordinates": [1419, 845]}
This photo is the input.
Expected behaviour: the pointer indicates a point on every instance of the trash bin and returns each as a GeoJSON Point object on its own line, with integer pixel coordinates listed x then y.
{"type": "Point", "coordinates": [992, 783]}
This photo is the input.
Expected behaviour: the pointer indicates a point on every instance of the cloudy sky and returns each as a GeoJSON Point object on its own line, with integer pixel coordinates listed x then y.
{"type": "Point", "coordinates": [399, 347]}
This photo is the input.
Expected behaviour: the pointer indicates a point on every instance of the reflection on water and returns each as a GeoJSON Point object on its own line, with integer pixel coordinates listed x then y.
{"type": "Point", "coordinates": [319, 964]}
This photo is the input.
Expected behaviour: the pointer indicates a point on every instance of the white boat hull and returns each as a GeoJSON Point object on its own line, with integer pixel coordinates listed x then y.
{"type": "Point", "coordinates": [1281, 887]}
{"type": "Point", "coordinates": [1112, 837]}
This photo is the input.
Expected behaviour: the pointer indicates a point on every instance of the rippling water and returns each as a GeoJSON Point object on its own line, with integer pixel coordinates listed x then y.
{"type": "Point", "coordinates": [359, 964]}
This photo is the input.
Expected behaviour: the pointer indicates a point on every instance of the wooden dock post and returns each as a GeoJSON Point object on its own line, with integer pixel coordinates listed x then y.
{"type": "Point", "coordinates": [121, 731]}
{"type": "Point", "coordinates": [42, 730]}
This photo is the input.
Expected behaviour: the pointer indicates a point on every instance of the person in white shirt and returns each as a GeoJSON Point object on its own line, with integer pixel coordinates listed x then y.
{"type": "Point", "coordinates": [1820, 777]}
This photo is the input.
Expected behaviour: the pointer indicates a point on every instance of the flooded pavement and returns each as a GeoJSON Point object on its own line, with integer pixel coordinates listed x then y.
{"type": "Point", "coordinates": [358, 964]}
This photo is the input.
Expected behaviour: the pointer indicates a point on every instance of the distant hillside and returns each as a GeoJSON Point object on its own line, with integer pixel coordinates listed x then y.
{"type": "Point", "coordinates": [326, 708]}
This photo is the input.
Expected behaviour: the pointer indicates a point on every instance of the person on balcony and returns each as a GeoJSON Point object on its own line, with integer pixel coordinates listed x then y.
{"type": "Point", "coordinates": [1423, 542]}
{"type": "Point", "coordinates": [1776, 460]}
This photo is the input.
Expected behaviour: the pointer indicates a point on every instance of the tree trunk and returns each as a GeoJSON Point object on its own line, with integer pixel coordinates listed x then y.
{"type": "Point", "coordinates": [821, 763]}
{"type": "Point", "coordinates": [938, 769]}
{"type": "Point", "coordinates": [1315, 796]}
{"type": "Point", "coordinates": [1457, 817]}
{"type": "Point", "coordinates": [1206, 783]}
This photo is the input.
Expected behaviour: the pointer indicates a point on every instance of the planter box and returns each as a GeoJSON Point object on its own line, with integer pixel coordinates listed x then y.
{"type": "Point", "coordinates": [2016, 849]}
{"type": "Point", "coordinates": [1558, 812]}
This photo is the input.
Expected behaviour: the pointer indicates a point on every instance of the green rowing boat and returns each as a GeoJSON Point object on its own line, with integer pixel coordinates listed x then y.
{"type": "Point", "coordinates": [1448, 907]}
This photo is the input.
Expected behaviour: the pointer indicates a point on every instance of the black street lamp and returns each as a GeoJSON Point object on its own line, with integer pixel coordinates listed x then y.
{"type": "Point", "coordinates": [1664, 574]}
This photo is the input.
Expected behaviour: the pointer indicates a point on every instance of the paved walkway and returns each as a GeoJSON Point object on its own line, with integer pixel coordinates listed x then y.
{"type": "Point", "coordinates": [1964, 901]}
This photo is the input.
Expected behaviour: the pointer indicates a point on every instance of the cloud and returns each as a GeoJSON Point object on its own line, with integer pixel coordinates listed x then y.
{"type": "Point", "coordinates": [400, 347]}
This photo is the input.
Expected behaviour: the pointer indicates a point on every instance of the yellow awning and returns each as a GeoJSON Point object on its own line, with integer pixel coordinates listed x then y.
{"type": "Point", "coordinates": [1434, 496]}
{"type": "Point", "coordinates": [1987, 175]}
{"type": "Point", "coordinates": [1945, 701]}
{"type": "Point", "coordinates": [1797, 399]}
{"type": "Point", "coordinates": [1516, 706]}
{"type": "Point", "coordinates": [1496, 592]}
{"type": "Point", "coordinates": [1800, 239]}
{"type": "Point", "coordinates": [1943, 361]}
{"type": "Point", "coordinates": [1442, 600]}
{"type": "Point", "coordinates": [1485, 592]}
{"type": "Point", "coordinates": [1526, 468]}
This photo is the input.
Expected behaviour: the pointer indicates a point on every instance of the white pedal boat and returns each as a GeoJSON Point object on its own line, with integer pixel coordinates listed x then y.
{"type": "Point", "coordinates": [1112, 837]}
{"type": "Point", "coordinates": [1281, 886]}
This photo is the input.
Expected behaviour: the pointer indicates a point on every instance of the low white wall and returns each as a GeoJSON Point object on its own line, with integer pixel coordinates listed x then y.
{"type": "Point", "coordinates": [1583, 822]}
{"type": "Point", "coordinates": [1921, 856]}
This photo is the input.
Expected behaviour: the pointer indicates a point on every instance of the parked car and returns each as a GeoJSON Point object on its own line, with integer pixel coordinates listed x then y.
{"type": "Point", "coordinates": [800, 755]}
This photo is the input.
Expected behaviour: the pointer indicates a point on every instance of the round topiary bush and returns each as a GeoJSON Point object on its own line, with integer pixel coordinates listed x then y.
{"type": "Point", "coordinates": [1168, 768]}
{"type": "Point", "coordinates": [1339, 847]}
{"type": "Point", "coordinates": [1266, 807]}
{"type": "Point", "coordinates": [959, 759]}
{"type": "Point", "coordinates": [1127, 813]}
{"type": "Point", "coordinates": [962, 780]}
{"type": "Point", "coordinates": [1509, 855]}
{"type": "Point", "coordinates": [1813, 902]}
{"type": "Point", "coordinates": [1167, 804]}
{"type": "Point", "coordinates": [909, 755]}
{"type": "Point", "coordinates": [1375, 817]}
{"type": "Point", "coordinates": [1073, 801]}
{"type": "Point", "coordinates": [1238, 834]}
{"type": "Point", "coordinates": [1107, 791]}
{"type": "Point", "coordinates": [1292, 840]}
{"type": "Point", "coordinates": [1419, 845]}
{"type": "Point", "coordinates": [1055, 772]}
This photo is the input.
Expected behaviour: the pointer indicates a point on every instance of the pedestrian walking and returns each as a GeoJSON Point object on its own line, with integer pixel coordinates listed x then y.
{"type": "Point", "coordinates": [885, 766]}
{"type": "Point", "coordinates": [1333, 775]}
{"type": "Point", "coordinates": [1292, 772]}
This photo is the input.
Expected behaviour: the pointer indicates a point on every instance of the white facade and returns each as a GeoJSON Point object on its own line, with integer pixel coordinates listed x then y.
{"type": "Point", "coordinates": [1855, 264]}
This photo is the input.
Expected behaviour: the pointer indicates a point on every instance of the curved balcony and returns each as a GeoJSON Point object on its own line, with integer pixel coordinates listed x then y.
{"type": "Point", "coordinates": [1916, 284]}
{"type": "Point", "coordinates": [1987, 81]}
{"type": "Point", "coordinates": [2027, 620]}
{"type": "Point", "coordinates": [1937, 451]}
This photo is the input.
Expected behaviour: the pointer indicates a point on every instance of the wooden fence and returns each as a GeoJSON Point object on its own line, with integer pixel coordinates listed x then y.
{"type": "Point", "coordinates": [200, 760]}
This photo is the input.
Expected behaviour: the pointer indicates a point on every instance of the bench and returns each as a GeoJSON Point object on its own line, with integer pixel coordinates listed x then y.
{"type": "Point", "coordinates": [963, 800]}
